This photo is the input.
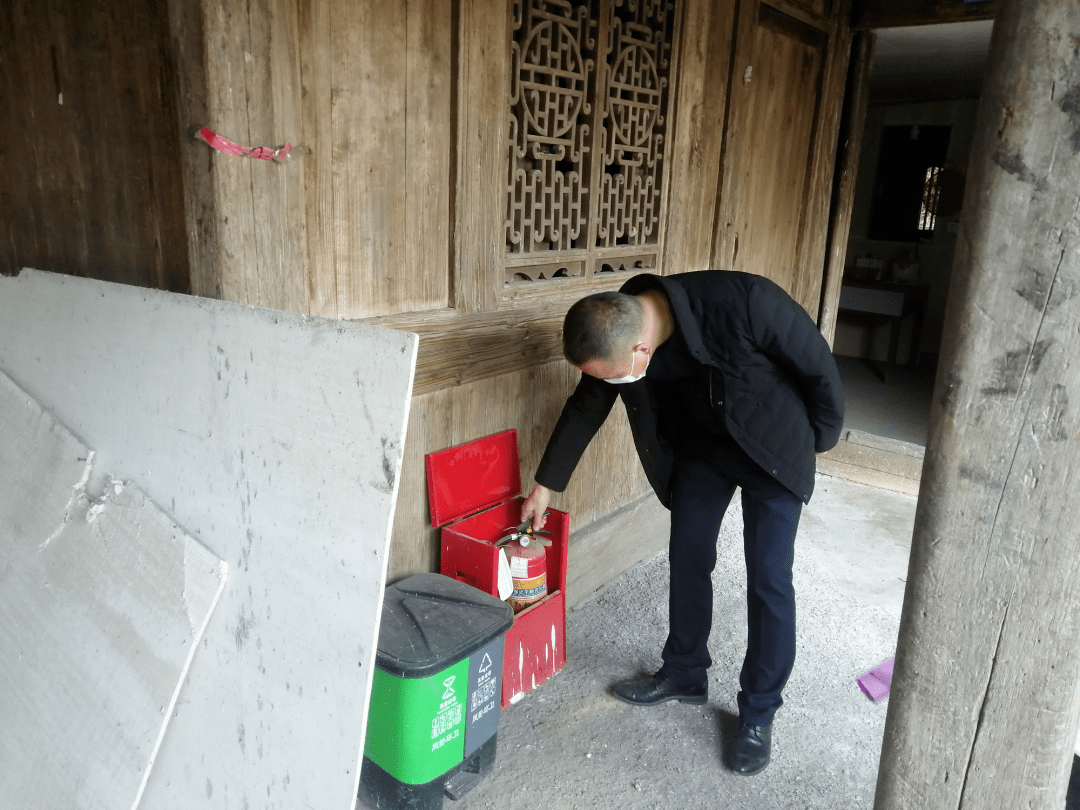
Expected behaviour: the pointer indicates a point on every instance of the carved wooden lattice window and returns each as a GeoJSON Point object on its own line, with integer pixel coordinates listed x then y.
{"type": "Point", "coordinates": [588, 133]}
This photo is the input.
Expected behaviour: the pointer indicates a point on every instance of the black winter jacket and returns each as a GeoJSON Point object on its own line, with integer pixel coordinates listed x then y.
{"type": "Point", "coordinates": [784, 397]}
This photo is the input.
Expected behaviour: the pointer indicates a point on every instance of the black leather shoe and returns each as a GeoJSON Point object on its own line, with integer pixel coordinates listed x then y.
{"type": "Point", "coordinates": [653, 689]}
{"type": "Point", "coordinates": [750, 749]}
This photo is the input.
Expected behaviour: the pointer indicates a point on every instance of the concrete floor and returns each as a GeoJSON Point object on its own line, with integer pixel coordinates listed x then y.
{"type": "Point", "coordinates": [896, 408]}
{"type": "Point", "coordinates": [571, 744]}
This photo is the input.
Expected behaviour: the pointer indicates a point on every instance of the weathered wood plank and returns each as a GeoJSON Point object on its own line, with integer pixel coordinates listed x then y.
{"type": "Point", "coordinates": [425, 282]}
{"type": "Point", "coordinates": [851, 134]}
{"type": "Point", "coordinates": [705, 44]}
{"type": "Point", "coordinates": [285, 229]}
{"type": "Point", "coordinates": [859, 473]}
{"type": "Point", "coordinates": [248, 214]}
{"type": "Point", "coordinates": [188, 45]}
{"type": "Point", "coordinates": [274, 276]}
{"type": "Point", "coordinates": [313, 37]}
{"type": "Point", "coordinates": [874, 466]}
{"type": "Point", "coordinates": [378, 96]}
{"type": "Point", "coordinates": [458, 348]}
{"type": "Point", "coordinates": [985, 705]}
{"type": "Point", "coordinates": [368, 140]}
{"type": "Point", "coordinates": [874, 461]}
{"type": "Point", "coordinates": [91, 180]}
{"type": "Point", "coordinates": [885, 443]}
{"type": "Point", "coordinates": [227, 115]}
{"type": "Point", "coordinates": [414, 547]}
{"type": "Point", "coordinates": [480, 141]}
{"type": "Point", "coordinates": [778, 71]}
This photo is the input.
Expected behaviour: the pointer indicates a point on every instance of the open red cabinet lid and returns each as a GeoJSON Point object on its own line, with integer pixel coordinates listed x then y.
{"type": "Point", "coordinates": [471, 477]}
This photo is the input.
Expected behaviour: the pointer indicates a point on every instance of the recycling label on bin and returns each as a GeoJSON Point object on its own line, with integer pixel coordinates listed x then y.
{"type": "Point", "coordinates": [446, 724]}
{"type": "Point", "coordinates": [485, 676]}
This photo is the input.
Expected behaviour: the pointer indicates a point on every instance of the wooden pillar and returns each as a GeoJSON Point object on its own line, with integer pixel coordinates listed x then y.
{"type": "Point", "coordinates": [985, 701]}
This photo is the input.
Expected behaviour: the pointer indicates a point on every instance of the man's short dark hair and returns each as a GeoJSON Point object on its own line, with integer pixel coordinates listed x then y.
{"type": "Point", "coordinates": [599, 324]}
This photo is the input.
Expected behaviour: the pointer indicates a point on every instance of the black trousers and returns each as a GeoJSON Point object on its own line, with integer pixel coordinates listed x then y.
{"type": "Point", "coordinates": [703, 485]}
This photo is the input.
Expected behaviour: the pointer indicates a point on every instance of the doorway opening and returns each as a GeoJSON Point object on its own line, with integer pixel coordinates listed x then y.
{"type": "Point", "coordinates": [916, 141]}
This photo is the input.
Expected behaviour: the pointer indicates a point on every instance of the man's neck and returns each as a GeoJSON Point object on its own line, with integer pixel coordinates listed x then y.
{"type": "Point", "coordinates": [659, 320]}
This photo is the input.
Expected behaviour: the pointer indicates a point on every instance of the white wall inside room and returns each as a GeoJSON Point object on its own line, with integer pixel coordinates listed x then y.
{"type": "Point", "coordinates": [936, 255]}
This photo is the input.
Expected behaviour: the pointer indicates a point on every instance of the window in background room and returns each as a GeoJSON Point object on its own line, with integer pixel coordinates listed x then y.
{"type": "Point", "coordinates": [905, 191]}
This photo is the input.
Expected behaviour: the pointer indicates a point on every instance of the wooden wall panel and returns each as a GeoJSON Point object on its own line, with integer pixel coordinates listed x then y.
{"type": "Point", "coordinates": [377, 109]}
{"type": "Point", "coordinates": [251, 76]}
{"type": "Point", "coordinates": [313, 32]}
{"type": "Point", "coordinates": [89, 174]}
{"type": "Point", "coordinates": [393, 208]}
{"type": "Point", "coordinates": [480, 138]}
{"type": "Point", "coordinates": [775, 85]}
{"type": "Point", "coordinates": [425, 281]}
{"type": "Point", "coordinates": [367, 146]}
{"type": "Point", "coordinates": [530, 401]}
{"type": "Point", "coordinates": [237, 71]}
{"type": "Point", "coordinates": [701, 93]}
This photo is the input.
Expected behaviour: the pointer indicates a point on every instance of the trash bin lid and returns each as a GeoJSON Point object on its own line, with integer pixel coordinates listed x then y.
{"type": "Point", "coordinates": [430, 622]}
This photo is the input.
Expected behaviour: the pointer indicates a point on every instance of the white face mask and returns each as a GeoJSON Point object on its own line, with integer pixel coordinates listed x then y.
{"type": "Point", "coordinates": [631, 377]}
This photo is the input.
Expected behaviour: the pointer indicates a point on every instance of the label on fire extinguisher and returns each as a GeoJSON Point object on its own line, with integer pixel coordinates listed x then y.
{"type": "Point", "coordinates": [530, 581]}
{"type": "Point", "coordinates": [519, 567]}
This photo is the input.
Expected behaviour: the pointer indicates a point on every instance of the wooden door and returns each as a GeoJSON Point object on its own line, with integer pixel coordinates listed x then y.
{"type": "Point", "coordinates": [775, 131]}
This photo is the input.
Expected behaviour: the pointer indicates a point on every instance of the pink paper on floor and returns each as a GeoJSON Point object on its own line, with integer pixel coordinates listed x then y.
{"type": "Point", "coordinates": [877, 681]}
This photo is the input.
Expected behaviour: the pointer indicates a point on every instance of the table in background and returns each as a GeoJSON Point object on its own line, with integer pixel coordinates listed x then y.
{"type": "Point", "coordinates": [878, 302]}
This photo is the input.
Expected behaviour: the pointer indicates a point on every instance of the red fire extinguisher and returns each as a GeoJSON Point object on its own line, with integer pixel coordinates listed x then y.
{"type": "Point", "coordinates": [524, 549]}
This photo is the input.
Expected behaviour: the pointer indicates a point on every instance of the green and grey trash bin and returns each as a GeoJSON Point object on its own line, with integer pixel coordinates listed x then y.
{"type": "Point", "coordinates": [434, 714]}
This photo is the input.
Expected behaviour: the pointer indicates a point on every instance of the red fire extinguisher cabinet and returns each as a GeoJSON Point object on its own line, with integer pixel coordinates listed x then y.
{"type": "Point", "coordinates": [474, 491]}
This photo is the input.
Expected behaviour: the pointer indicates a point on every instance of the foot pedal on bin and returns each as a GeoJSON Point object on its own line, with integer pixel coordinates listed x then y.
{"type": "Point", "coordinates": [461, 783]}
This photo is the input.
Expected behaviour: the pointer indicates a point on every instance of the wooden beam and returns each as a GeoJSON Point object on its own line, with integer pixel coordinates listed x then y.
{"type": "Point", "coordinates": [459, 348]}
{"type": "Point", "coordinates": [800, 11]}
{"type": "Point", "coordinates": [895, 13]}
{"type": "Point", "coordinates": [985, 704]}
{"type": "Point", "coordinates": [852, 125]}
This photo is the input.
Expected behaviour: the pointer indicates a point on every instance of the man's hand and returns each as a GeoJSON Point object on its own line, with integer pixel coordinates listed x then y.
{"type": "Point", "coordinates": [535, 506]}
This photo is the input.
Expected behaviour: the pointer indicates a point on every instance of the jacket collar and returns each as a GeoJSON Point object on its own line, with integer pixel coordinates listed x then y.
{"type": "Point", "coordinates": [685, 321]}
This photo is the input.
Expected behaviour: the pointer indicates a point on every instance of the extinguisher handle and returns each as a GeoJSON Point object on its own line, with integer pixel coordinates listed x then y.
{"type": "Point", "coordinates": [534, 508]}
